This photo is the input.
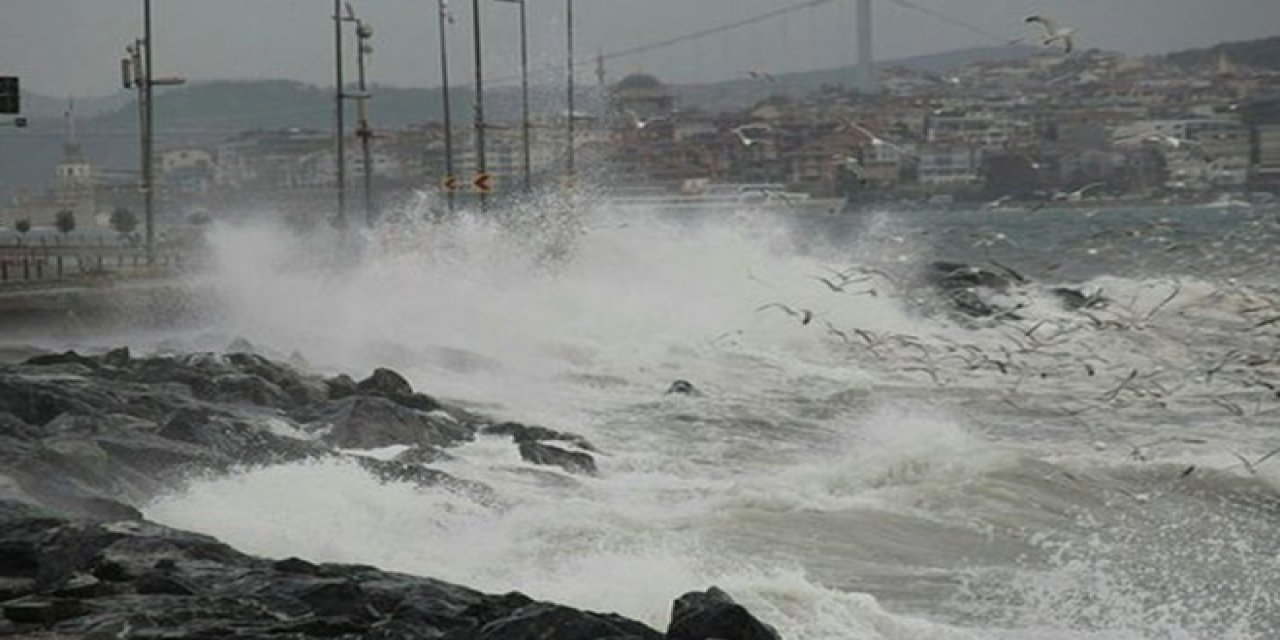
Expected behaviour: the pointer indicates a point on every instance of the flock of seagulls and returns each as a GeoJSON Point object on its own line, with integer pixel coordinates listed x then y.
{"type": "Point", "coordinates": [1107, 357]}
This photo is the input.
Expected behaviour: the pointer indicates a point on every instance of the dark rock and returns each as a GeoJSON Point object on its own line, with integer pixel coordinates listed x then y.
{"type": "Point", "coordinates": [571, 461]}
{"type": "Point", "coordinates": [162, 583]}
{"type": "Point", "coordinates": [385, 383]}
{"type": "Point", "coordinates": [38, 401]}
{"type": "Point", "coordinates": [684, 388]}
{"type": "Point", "coordinates": [68, 357]}
{"type": "Point", "coordinates": [392, 471]}
{"type": "Point", "coordinates": [525, 433]}
{"type": "Point", "coordinates": [235, 440]}
{"type": "Point", "coordinates": [341, 386]}
{"type": "Point", "coordinates": [295, 565]}
{"type": "Point", "coordinates": [301, 390]}
{"type": "Point", "coordinates": [188, 425]}
{"type": "Point", "coordinates": [544, 620]}
{"type": "Point", "coordinates": [245, 388]}
{"type": "Point", "coordinates": [240, 345]}
{"type": "Point", "coordinates": [43, 611]}
{"type": "Point", "coordinates": [713, 614]}
{"type": "Point", "coordinates": [953, 275]}
{"type": "Point", "coordinates": [423, 455]}
{"type": "Point", "coordinates": [81, 439]}
{"type": "Point", "coordinates": [367, 422]}
{"type": "Point", "coordinates": [11, 588]}
{"type": "Point", "coordinates": [118, 358]}
{"type": "Point", "coordinates": [1075, 299]}
{"type": "Point", "coordinates": [81, 585]}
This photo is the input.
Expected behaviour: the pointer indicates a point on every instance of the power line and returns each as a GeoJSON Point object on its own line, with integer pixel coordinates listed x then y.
{"type": "Point", "coordinates": [728, 26]}
{"type": "Point", "coordinates": [951, 20]}
{"type": "Point", "coordinates": [695, 35]}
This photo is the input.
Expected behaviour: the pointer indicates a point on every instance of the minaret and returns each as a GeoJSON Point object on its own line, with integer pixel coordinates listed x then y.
{"type": "Point", "coordinates": [71, 151]}
{"type": "Point", "coordinates": [866, 58]}
{"type": "Point", "coordinates": [600, 73]}
{"type": "Point", "coordinates": [73, 183]}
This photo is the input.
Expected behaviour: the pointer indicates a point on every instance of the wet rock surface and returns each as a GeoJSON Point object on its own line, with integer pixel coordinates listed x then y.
{"type": "Point", "coordinates": [84, 440]}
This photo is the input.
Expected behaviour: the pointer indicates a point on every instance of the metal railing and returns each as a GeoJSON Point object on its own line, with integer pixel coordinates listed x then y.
{"type": "Point", "coordinates": [43, 260]}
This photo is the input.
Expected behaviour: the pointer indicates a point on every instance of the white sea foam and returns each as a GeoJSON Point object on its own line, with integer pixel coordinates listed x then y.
{"type": "Point", "coordinates": [581, 324]}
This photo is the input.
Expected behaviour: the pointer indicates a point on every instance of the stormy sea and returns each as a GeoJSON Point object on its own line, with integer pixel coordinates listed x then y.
{"type": "Point", "coordinates": [967, 424]}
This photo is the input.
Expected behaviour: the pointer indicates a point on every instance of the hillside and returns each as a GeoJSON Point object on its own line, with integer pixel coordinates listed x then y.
{"type": "Point", "coordinates": [227, 107]}
{"type": "Point", "coordinates": [742, 92]}
{"type": "Point", "coordinates": [1259, 54]}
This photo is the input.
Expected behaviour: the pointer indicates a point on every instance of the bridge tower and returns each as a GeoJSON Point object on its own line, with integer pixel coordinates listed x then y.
{"type": "Point", "coordinates": [866, 80]}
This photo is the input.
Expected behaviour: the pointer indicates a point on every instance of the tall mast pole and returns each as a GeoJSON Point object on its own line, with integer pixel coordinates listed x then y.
{"type": "Point", "coordinates": [444, 90]}
{"type": "Point", "coordinates": [339, 126]}
{"type": "Point", "coordinates": [572, 112]}
{"type": "Point", "coordinates": [481, 165]}
{"type": "Point", "coordinates": [148, 136]}
{"type": "Point", "coordinates": [524, 90]}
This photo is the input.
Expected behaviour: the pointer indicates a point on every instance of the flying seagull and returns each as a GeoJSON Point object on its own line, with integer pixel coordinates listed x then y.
{"type": "Point", "coordinates": [877, 141]}
{"type": "Point", "coordinates": [804, 315]}
{"type": "Point", "coordinates": [1053, 34]}
{"type": "Point", "coordinates": [746, 139]}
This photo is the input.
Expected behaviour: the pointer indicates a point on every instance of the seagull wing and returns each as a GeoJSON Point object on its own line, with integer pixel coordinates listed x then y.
{"type": "Point", "coordinates": [1050, 26]}
{"type": "Point", "coordinates": [788, 310]}
{"type": "Point", "coordinates": [1269, 455]}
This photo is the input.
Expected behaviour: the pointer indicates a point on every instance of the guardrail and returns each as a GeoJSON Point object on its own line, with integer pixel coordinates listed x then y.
{"type": "Point", "coordinates": [49, 264]}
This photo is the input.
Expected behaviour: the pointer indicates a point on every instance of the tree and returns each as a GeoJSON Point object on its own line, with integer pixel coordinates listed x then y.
{"type": "Point", "coordinates": [123, 221]}
{"type": "Point", "coordinates": [22, 225]}
{"type": "Point", "coordinates": [65, 221]}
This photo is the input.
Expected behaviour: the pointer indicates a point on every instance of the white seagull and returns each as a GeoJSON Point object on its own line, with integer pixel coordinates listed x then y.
{"type": "Point", "coordinates": [1053, 34]}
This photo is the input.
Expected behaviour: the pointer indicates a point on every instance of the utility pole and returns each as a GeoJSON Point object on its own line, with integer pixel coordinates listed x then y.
{"type": "Point", "coordinates": [444, 90]}
{"type": "Point", "coordinates": [481, 165]}
{"type": "Point", "coordinates": [148, 138]}
{"type": "Point", "coordinates": [524, 91]}
{"type": "Point", "coordinates": [572, 112]}
{"type": "Point", "coordinates": [339, 126]}
{"type": "Point", "coordinates": [364, 31]}
{"type": "Point", "coordinates": [137, 73]}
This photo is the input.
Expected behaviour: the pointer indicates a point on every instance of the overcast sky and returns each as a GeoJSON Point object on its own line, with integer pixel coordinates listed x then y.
{"type": "Point", "coordinates": [72, 47]}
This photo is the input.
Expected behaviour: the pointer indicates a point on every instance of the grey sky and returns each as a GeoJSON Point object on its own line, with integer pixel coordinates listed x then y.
{"type": "Point", "coordinates": [72, 47]}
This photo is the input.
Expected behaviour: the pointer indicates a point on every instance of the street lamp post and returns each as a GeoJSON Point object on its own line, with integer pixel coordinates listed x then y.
{"type": "Point", "coordinates": [572, 114]}
{"type": "Point", "coordinates": [339, 126]}
{"type": "Point", "coordinates": [481, 165]}
{"type": "Point", "coordinates": [524, 91]}
{"type": "Point", "coordinates": [138, 74]}
{"type": "Point", "coordinates": [364, 32]}
{"type": "Point", "coordinates": [444, 91]}
{"type": "Point", "coordinates": [148, 138]}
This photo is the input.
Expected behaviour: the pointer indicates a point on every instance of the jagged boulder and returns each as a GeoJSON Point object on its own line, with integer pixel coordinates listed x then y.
{"type": "Point", "coordinates": [385, 383]}
{"type": "Point", "coordinates": [37, 400]}
{"type": "Point", "coordinates": [525, 433]}
{"type": "Point", "coordinates": [545, 454]}
{"type": "Point", "coordinates": [72, 578]}
{"type": "Point", "coordinates": [545, 620]}
{"type": "Point", "coordinates": [368, 422]}
{"type": "Point", "coordinates": [703, 615]}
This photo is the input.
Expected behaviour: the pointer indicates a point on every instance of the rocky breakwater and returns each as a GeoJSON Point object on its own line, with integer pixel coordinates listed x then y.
{"type": "Point", "coordinates": [84, 440]}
